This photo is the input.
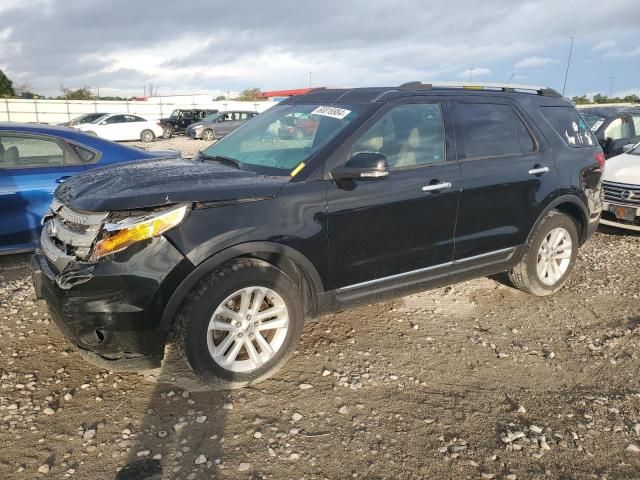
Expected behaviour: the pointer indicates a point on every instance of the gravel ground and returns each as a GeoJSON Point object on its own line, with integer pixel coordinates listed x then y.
{"type": "Point", "coordinates": [475, 380]}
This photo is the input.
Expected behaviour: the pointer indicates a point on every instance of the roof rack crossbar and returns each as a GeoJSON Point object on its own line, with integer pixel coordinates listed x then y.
{"type": "Point", "coordinates": [504, 87]}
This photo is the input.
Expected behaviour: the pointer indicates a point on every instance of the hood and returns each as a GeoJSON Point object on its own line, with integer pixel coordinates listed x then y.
{"type": "Point", "coordinates": [623, 168]}
{"type": "Point", "coordinates": [156, 182]}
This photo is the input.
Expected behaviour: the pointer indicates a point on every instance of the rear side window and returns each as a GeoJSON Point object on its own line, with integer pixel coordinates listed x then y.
{"type": "Point", "coordinates": [491, 130]}
{"type": "Point", "coordinates": [568, 123]}
{"type": "Point", "coordinates": [86, 155]}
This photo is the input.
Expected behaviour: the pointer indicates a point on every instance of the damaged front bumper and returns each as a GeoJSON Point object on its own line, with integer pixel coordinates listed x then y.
{"type": "Point", "coordinates": [111, 309]}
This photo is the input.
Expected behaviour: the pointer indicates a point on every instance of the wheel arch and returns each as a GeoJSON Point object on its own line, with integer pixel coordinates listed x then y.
{"type": "Point", "coordinates": [569, 205]}
{"type": "Point", "coordinates": [286, 258]}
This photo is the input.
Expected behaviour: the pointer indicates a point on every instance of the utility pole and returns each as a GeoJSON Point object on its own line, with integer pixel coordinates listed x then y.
{"type": "Point", "coordinates": [611, 87]}
{"type": "Point", "coordinates": [566, 73]}
{"type": "Point", "coordinates": [310, 79]}
{"type": "Point", "coordinates": [144, 90]}
{"type": "Point", "coordinates": [470, 70]}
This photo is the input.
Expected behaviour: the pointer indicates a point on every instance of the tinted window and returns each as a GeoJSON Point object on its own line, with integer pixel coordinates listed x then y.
{"type": "Point", "coordinates": [486, 130]}
{"type": "Point", "coordinates": [134, 118]}
{"type": "Point", "coordinates": [636, 124]}
{"type": "Point", "coordinates": [187, 115]}
{"type": "Point", "coordinates": [408, 135]}
{"type": "Point", "coordinates": [24, 152]}
{"type": "Point", "coordinates": [527, 144]}
{"type": "Point", "coordinates": [573, 129]}
{"type": "Point", "coordinates": [116, 119]}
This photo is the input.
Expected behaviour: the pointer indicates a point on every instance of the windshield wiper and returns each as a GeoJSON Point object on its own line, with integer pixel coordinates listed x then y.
{"type": "Point", "coordinates": [222, 159]}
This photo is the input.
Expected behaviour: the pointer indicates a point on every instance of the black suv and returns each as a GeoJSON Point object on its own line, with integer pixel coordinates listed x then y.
{"type": "Point", "coordinates": [396, 190]}
{"type": "Point", "coordinates": [180, 119]}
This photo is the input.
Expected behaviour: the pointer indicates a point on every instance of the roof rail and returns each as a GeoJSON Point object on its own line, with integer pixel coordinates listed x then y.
{"type": "Point", "coordinates": [498, 87]}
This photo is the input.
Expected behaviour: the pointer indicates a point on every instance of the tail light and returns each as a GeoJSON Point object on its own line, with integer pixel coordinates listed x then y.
{"type": "Point", "coordinates": [599, 156]}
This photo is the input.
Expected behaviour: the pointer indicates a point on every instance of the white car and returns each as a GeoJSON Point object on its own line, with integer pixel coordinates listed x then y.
{"type": "Point", "coordinates": [621, 184]}
{"type": "Point", "coordinates": [123, 126]}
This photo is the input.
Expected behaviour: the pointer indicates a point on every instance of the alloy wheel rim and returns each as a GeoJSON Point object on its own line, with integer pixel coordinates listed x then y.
{"type": "Point", "coordinates": [554, 256]}
{"type": "Point", "coordinates": [248, 329]}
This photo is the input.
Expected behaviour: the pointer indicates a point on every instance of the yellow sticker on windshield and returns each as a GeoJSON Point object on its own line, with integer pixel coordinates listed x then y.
{"type": "Point", "coordinates": [296, 170]}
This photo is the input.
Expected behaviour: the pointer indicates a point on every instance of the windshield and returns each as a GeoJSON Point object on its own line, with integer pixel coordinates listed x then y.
{"type": "Point", "coordinates": [175, 114]}
{"type": "Point", "coordinates": [211, 117]}
{"type": "Point", "coordinates": [594, 121]}
{"type": "Point", "coordinates": [281, 139]}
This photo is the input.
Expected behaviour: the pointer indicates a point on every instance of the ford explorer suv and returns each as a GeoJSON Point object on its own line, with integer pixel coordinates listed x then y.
{"type": "Point", "coordinates": [398, 190]}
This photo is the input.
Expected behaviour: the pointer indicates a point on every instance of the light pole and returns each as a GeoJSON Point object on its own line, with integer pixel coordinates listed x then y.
{"type": "Point", "coordinates": [470, 70]}
{"type": "Point", "coordinates": [566, 73]}
{"type": "Point", "coordinates": [611, 86]}
{"type": "Point", "coordinates": [511, 78]}
{"type": "Point", "coordinates": [310, 79]}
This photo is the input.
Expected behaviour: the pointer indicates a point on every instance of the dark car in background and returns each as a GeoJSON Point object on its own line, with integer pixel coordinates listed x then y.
{"type": "Point", "coordinates": [86, 118]}
{"type": "Point", "coordinates": [181, 118]}
{"type": "Point", "coordinates": [34, 160]}
{"type": "Point", "coordinates": [397, 190]}
{"type": "Point", "coordinates": [217, 125]}
{"type": "Point", "coordinates": [617, 128]}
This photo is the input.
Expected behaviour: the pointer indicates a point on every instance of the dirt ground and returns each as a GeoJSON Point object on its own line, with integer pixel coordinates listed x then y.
{"type": "Point", "coordinates": [476, 380]}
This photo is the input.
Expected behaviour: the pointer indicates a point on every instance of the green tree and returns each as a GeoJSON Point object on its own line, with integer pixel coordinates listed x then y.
{"type": "Point", "coordinates": [6, 86]}
{"type": "Point", "coordinates": [83, 93]}
{"type": "Point", "coordinates": [250, 94]}
{"type": "Point", "coordinates": [583, 100]}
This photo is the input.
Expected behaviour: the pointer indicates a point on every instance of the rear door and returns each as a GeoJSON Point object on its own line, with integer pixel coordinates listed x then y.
{"type": "Point", "coordinates": [404, 224]}
{"type": "Point", "coordinates": [31, 168]}
{"type": "Point", "coordinates": [506, 176]}
{"type": "Point", "coordinates": [226, 123]}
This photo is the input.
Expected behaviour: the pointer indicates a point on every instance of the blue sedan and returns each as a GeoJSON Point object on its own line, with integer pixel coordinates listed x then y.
{"type": "Point", "coordinates": [34, 159]}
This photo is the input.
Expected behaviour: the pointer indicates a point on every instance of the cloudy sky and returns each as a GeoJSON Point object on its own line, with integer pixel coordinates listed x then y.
{"type": "Point", "coordinates": [218, 46]}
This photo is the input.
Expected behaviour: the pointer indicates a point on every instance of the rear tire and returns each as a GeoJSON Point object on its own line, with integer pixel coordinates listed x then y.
{"type": "Point", "coordinates": [147, 136]}
{"type": "Point", "coordinates": [214, 312]}
{"type": "Point", "coordinates": [167, 132]}
{"type": "Point", "coordinates": [549, 256]}
{"type": "Point", "coordinates": [208, 135]}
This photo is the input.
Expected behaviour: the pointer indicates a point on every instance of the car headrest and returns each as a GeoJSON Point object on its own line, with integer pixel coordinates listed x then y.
{"type": "Point", "coordinates": [414, 138]}
{"type": "Point", "coordinates": [11, 156]}
{"type": "Point", "coordinates": [373, 144]}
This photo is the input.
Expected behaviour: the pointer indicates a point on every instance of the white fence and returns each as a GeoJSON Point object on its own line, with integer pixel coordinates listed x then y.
{"type": "Point", "coordinates": [58, 111]}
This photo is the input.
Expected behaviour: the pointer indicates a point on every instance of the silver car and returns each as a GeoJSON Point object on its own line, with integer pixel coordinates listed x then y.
{"type": "Point", "coordinates": [217, 125]}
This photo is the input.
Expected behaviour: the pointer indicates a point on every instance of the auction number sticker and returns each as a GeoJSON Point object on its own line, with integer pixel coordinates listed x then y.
{"type": "Point", "coordinates": [333, 112]}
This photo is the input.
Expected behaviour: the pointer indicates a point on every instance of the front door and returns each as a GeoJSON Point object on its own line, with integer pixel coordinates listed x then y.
{"type": "Point", "coordinates": [31, 168]}
{"type": "Point", "coordinates": [621, 131]}
{"type": "Point", "coordinates": [402, 224]}
{"type": "Point", "coordinates": [506, 176]}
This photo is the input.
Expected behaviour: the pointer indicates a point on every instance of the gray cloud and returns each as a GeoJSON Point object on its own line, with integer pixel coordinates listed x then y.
{"type": "Point", "coordinates": [231, 45]}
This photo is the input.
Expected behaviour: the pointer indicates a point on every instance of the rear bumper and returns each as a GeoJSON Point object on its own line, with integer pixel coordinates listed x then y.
{"type": "Point", "coordinates": [113, 313]}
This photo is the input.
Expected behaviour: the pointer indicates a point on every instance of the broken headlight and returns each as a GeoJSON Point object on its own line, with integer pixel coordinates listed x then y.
{"type": "Point", "coordinates": [119, 235]}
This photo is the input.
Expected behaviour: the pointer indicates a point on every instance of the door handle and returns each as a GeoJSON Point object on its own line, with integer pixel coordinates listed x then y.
{"type": "Point", "coordinates": [538, 170]}
{"type": "Point", "coordinates": [436, 186]}
{"type": "Point", "coordinates": [62, 179]}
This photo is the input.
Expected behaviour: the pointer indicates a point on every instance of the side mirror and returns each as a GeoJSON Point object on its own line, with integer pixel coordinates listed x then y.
{"type": "Point", "coordinates": [364, 165]}
{"type": "Point", "coordinates": [628, 147]}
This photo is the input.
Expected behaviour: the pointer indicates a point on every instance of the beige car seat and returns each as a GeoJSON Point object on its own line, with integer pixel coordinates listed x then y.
{"type": "Point", "coordinates": [407, 155]}
{"type": "Point", "coordinates": [373, 144]}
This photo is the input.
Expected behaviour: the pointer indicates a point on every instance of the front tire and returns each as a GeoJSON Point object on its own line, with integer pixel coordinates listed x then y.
{"type": "Point", "coordinates": [208, 135]}
{"type": "Point", "coordinates": [167, 132]}
{"type": "Point", "coordinates": [240, 324]}
{"type": "Point", "coordinates": [147, 136]}
{"type": "Point", "coordinates": [549, 256]}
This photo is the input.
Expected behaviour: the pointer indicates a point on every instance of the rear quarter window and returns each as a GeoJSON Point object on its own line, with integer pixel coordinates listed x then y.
{"type": "Point", "coordinates": [572, 128]}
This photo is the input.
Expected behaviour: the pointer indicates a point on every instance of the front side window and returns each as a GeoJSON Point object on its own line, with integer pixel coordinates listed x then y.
{"type": "Point", "coordinates": [618, 129]}
{"type": "Point", "coordinates": [488, 130]}
{"type": "Point", "coordinates": [26, 152]}
{"type": "Point", "coordinates": [274, 142]}
{"type": "Point", "coordinates": [408, 135]}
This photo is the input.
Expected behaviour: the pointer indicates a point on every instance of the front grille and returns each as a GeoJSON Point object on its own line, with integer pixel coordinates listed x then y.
{"type": "Point", "coordinates": [622, 193]}
{"type": "Point", "coordinates": [69, 234]}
